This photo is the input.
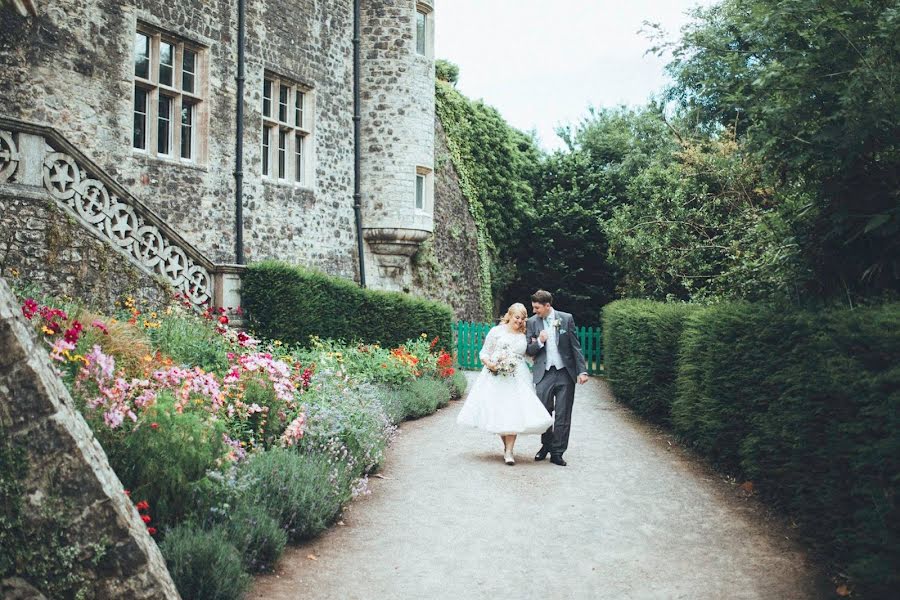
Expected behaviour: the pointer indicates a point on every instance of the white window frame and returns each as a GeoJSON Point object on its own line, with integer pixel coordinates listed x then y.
{"type": "Point", "coordinates": [427, 13]}
{"type": "Point", "coordinates": [156, 90]}
{"type": "Point", "coordinates": [296, 129]}
{"type": "Point", "coordinates": [425, 175]}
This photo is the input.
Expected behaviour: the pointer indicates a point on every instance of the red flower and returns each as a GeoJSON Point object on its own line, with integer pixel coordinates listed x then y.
{"type": "Point", "coordinates": [151, 530]}
{"type": "Point", "coordinates": [72, 334]}
{"type": "Point", "coordinates": [239, 311]}
{"type": "Point", "coordinates": [29, 308]}
{"type": "Point", "coordinates": [154, 425]}
{"type": "Point", "coordinates": [142, 505]}
{"type": "Point", "coordinates": [223, 320]}
{"type": "Point", "coordinates": [146, 518]}
{"type": "Point", "coordinates": [127, 493]}
{"type": "Point", "coordinates": [101, 326]}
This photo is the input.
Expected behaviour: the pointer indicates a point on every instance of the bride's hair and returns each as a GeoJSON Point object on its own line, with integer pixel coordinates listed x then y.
{"type": "Point", "coordinates": [515, 310]}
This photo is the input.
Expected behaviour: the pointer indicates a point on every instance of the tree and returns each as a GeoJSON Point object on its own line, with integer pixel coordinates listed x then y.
{"type": "Point", "coordinates": [811, 88]}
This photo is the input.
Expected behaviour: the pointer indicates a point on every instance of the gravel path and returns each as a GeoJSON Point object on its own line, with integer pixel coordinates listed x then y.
{"type": "Point", "coordinates": [631, 517]}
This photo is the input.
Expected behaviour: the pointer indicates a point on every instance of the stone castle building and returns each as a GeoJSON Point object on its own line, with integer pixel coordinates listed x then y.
{"type": "Point", "coordinates": [121, 128]}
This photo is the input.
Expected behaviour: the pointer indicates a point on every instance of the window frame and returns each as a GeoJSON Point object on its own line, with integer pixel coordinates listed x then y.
{"type": "Point", "coordinates": [426, 176]}
{"type": "Point", "coordinates": [297, 149]}
{"type": "Point", "coordinates": [427, 42]}
{"type": "Point", "coordinates": [181, 99]}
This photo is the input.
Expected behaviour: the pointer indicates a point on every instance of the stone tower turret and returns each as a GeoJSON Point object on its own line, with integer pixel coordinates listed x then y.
{"type": "Point", "coordinates": [397, 137]}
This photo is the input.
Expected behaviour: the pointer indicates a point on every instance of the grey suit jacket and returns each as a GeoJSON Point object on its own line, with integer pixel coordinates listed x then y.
{"type": "Point", "coordinates": [569, 347]}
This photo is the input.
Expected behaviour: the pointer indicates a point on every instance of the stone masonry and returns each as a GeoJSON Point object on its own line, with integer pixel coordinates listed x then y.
{"type": "Point", "coordinates": [48, 249]}
{"type": "Point", "coordinates": [67, 466]}
{"type": "Point", "coordinates": [72, 67]}
{"type": "Point", "coordinates": [397, 135]}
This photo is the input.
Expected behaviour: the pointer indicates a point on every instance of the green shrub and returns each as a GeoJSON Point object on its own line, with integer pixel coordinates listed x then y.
{"type": "Point", "coordinates": [726, 355]}
{"type": "Point", "coordinates": [457, 384]}
{"type": "Point", "coordinates": [303, 492]}
{"type": "Point", "coordinates": [826, 448]}
{"type": "Point", "coordinates": [256, 535]}
{"type": "Point", "coordinates": [291, 304]}
{"type": "Point", "coordinates": [347, 423]}
{"type": "Point", "coordinates": [640, 341]}
{"type": "Point", "coordinates": [421, 397]}
{"type": "Point", "coordinates": [162, 464]}
{"type": "Point", "coordinates": [189, 340]}
{"type": "Point", "coordinates": [204, 564]}
{"type": "Point", "coordinates": [806, 405]}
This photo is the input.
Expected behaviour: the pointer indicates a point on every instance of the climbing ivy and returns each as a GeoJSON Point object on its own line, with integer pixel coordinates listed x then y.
{"type": "Point", "coordinates": [495, 163]}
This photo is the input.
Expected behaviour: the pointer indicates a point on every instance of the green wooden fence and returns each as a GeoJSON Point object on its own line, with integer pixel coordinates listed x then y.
{"type": "Point", "coordinates": [470, 338]}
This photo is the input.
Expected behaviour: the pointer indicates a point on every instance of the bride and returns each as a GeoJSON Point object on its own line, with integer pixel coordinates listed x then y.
{"type": "Point", "coordinates": [502, 400]}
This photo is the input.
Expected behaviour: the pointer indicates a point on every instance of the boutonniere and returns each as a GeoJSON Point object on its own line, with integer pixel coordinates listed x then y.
{"type": "Point", "coordinates": [556, 323]}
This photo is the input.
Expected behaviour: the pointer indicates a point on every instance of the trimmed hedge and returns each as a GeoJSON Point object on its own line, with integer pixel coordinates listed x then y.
{"type": "Point", "coordinates": [640, 339]}
{"type": "Point", "coordinates": [806, 405]}
{"type": "Point", "coordinates": [292, 303]}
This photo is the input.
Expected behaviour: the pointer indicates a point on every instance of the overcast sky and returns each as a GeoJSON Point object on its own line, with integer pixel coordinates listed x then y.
{"type": "Point", "coordinates": [543, 62]}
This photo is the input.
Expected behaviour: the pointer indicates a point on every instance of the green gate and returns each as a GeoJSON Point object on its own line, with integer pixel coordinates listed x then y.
{"type": "Point", "coordinates": [470, 337]}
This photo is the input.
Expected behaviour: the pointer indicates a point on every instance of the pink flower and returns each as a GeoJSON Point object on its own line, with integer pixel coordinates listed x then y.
{"type": "Point", "coordinates": [293, 432]}
{"type": "Point", "coordinates": [58, 349]}
{"type": "Point", "coordinates": [113, 418]}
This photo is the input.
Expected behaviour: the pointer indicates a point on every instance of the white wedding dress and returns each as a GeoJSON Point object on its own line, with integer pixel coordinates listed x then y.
{"type": "Point", "coordinates": [504, 404]}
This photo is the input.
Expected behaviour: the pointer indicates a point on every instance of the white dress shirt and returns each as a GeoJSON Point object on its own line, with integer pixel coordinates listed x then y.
{"type": "Point", "coordinates": [552, 345]}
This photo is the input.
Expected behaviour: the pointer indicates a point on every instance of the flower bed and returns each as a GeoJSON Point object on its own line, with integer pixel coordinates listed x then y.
{"type": "Point", "coordinates": [233, 446]}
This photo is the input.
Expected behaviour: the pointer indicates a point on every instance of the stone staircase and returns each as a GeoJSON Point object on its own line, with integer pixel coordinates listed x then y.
{"type": "Point", "coordinates": [38, 159]}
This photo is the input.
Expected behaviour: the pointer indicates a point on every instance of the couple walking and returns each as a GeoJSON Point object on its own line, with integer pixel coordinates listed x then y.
{"type": "Point", "coordinates": [508, 400]}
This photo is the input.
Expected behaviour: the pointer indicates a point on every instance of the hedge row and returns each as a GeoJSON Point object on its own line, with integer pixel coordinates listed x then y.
{"type": "Point", "coordinates": [805, 404]}
{"type": "Point", "coordinates": [292, 303]}
{"type": "Point", "coordinates": [640, 338]}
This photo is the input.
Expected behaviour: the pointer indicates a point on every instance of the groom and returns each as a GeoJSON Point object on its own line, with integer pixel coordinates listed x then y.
{"type": "Point", "coordinates": [558, 364]}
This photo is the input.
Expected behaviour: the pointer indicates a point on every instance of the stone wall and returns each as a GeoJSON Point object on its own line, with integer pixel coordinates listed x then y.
{"type": "Point", "coordinates": [397, 88]}
{"type": "Point", "coordinates": [71, 68]}
{"type": "Point", "coordinates": [45, 247]}
{"type": "Point", "coordinates": [446, 268]}
{"type": "Point", "coordinates": [67, 476]}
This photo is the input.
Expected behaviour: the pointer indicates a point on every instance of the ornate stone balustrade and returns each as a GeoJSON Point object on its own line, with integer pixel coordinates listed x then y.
{"type": "Point", "coordinates": [38, 156]}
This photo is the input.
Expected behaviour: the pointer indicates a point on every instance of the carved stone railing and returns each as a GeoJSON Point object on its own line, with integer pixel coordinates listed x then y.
{"type": "Point", "coordinates": [38, 156]}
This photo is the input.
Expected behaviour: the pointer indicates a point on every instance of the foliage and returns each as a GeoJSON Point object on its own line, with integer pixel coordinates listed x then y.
{"type": "Point", "coordinates": [189, 341]}
{"type": "Point", "coordinates": [202, 451]}
{"type": "Point", "coordinates": [421, 397]}
{"type": "Point", "coordinates": [701, 222]}
{"type": "Point", "coordinates": [303, 492]}
{"type": "Point", "coordinates": [204, 564]}
{"type": "Point", "coordinates": [444, 70]}
{"type": "Point", "coordinates": [347, 424]}
{"type": "Point", "coordinates": [458, 384]}
{"type": "Point", "coordinates": [811, 88]}
{"type": "Point", "coordinates": [256, 535]}
{"type": "Point", "coordinates": [495, 164]}
{"type": "Point", "coordinates": [162, 457]}
{"type": "Point", "coordinates": [804, 403]}
{"type": "Point", "coordinates": [640, 339]}
{"type": "Point", "coordinates": [292, 304]}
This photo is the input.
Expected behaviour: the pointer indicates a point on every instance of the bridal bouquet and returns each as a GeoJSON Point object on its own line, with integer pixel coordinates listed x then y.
{"type": "Point", "coordinates": [505, 362]}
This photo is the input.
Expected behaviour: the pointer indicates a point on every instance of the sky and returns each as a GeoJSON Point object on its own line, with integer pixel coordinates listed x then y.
{"type": "Point", "coordinates": [542, 63]}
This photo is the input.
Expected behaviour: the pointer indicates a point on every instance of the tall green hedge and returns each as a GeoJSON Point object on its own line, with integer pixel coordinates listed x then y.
{"type": "Point", "coordinates": [291, 304]}
{"type": "Point", "coordinates": [805, 404]}
{"type": "Point", "coordinates": [640, 338]}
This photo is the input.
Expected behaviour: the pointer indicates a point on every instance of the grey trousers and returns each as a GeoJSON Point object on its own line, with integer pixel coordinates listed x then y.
{"type": "Point", "coordinates": [556, 391]}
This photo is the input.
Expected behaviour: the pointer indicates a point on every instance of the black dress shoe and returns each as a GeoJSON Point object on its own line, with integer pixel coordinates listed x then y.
{"type": "Point", "coordinates": [558, 460]}
{"type": "Point", "coordinates": [542, 454]}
